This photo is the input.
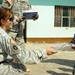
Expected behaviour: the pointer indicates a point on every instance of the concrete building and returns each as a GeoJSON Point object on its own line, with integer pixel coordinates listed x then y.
{"type": "Point", "coordinates": [56, 21]}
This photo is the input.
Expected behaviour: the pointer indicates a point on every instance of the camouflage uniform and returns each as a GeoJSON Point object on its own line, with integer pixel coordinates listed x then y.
{"type": "Point", "coordinates": [19, 53]}
{"type": "Point", "coordinates": [18, 7]}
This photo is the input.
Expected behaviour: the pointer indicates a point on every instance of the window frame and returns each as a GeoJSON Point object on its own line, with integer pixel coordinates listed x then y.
{"type": "Point", "coordinates": [59, 13]}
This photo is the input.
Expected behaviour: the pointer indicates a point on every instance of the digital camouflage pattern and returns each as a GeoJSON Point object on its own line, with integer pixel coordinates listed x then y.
{"type": "Point", "coordinates": [21, 55]}
{"type": "Point", "coordinates": [24, 56]}
{"type": "Point", "coordinates": [18, 6]}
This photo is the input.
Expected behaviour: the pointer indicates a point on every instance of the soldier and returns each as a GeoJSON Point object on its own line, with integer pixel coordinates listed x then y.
{"type": "Point", "coordinates": [9, 46]}
{"type": "Point", "coordinates": [18, 6]}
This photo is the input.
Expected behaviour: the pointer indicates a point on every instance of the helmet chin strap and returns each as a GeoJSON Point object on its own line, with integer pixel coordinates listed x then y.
{"type": "Point", "coordinates": [10, 2]}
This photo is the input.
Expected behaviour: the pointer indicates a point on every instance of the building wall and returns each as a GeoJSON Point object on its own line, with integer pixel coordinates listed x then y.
{"type": "Point", "coordinates": [53, 2]}
{"type": "Point", "coordinates": [44, 26]}
{"type": "Point", "coordinates": [43, 29]}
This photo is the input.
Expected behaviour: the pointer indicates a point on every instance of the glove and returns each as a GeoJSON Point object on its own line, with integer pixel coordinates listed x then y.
{"type": "Point", "coordinates": [19, 19]}
{"type": "Point", "coordinates": [35, 17]}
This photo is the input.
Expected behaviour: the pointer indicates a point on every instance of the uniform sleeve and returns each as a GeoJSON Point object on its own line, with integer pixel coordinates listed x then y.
{"type": "Point", "coordinates": [4, 44]}
{"type": "Point", "coordinates": [5, 4]}
{"type": "Point", "coordinates": [7, 47]}
{"type": "Point", "coordinates": [23, 55]}
{"type": "Point", "coordinates": [32, 56]}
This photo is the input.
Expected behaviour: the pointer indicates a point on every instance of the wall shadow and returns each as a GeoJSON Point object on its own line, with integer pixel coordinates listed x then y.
{"type": "Point", "coordinates": [55, 73]}
{"type": "Point", "coordinates": [65, 62]}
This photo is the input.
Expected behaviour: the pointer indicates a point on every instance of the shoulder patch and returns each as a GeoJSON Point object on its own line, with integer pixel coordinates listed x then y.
{"type": "Point", "coordinates": [14, 49]}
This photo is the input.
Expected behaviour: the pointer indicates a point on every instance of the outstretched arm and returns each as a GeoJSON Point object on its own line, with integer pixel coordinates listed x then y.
{"type": "Point", "coordinates": [23, 55]}
{"type": "Point", "coordinates": [34, 56]}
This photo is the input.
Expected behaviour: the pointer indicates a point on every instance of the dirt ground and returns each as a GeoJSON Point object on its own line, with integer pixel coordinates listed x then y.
{"type": "Point", "coordinates": [60, 63]}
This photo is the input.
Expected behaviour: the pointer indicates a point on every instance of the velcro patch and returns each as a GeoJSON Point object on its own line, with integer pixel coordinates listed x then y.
{"type": "Point", "coordinates": [14, 49]}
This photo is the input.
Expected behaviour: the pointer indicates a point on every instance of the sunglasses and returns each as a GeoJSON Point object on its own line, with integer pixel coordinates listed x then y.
{"type": "Point", "coordinates": [11, 19]}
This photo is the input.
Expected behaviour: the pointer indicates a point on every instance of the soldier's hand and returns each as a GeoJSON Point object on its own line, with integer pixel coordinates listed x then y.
{"type": "Point", "coordinates": [35, 17]}
{"type": "Point", "coordinates": [20, 19]}
{"type": "Point", "coordinates": [50, 51]}
{"type": "Point", "coordinates": [10, 2]}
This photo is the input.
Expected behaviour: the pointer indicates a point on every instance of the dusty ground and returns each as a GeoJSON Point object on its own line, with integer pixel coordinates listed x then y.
{"type": "Point", "coordinates": [60, 63]}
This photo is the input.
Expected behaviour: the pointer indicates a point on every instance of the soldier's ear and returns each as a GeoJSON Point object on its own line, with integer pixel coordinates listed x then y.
{"type": "Point", "coordinates": [2, 21]}
{"type": "Point", "coordinates": [10, 2]}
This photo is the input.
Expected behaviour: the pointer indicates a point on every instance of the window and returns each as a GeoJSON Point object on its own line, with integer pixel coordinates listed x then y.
{"type": "Point", "coordinates": [64, 16]}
